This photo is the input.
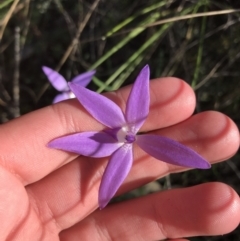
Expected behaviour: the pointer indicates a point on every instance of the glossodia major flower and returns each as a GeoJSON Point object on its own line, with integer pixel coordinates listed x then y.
{"type": "Point", "coordinates": [60, 83]}
{"type": "Point", "coordinates": [117, 140]}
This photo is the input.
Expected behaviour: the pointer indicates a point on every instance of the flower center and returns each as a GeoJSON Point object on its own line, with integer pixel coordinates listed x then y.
{"type": "Point", "coordinates": [125, 135]}
{"type": "Point", "coordinates": [130, 138]}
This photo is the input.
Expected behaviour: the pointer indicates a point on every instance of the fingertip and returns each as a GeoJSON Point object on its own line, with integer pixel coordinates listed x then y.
{"type": "Point", "coordinates": [204, 210]}
{"type": "Point", "coordinates": [233, 136]}
{"type": "Point", "coordinates": [172, 101]}
{"type": "Point", "coordinates": [210, 209]}
{"type": "Point", "coordinates": [223, 207]}
{"type": "Point", "coordinates": [218, 132]}
{"type": "Point", "coordinates": [174, 88]}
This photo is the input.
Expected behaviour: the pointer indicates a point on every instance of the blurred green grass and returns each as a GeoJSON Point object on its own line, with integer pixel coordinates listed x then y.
{"type": "Point", "coordinates": [118, 38]}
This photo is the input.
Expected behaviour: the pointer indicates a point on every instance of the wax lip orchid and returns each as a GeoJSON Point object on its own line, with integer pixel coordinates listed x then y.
{"type": "Point", "coordinates": [60, 83]}
{"type": "Point", "coordinates": [117, 140]}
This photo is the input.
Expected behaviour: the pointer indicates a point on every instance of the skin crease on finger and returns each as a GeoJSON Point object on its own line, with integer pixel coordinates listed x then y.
{"type": "Point", "coordinates": [67, 117]}
{"type": "Point", "coordinates": [206, 209]}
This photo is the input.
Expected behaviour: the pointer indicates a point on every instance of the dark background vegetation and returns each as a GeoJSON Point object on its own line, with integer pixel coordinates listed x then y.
{"type": "Point", "coordinates": [117, 38]}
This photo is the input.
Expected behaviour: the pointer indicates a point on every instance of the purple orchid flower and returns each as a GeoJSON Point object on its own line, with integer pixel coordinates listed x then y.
{"type": "Point", "coordinates": [60, 83]}
{"type": "Point", "coordinates": [122, 133]}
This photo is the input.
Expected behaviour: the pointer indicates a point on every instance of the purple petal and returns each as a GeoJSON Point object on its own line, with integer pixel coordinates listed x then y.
{"type": "Point", "coordinates": [100, 107]}
{"type": "Point", "coordinates": [171, 151]}
{"type": "Point", "coordinates": [56, 79]}
{"type": "Point", "coordinates": [115, 173]}
{"type": "Point", "coordinates": [137, 107]}
{"type": "Point", "coordinates": [84, 79]}
{"type": "Point", "coordinates": [61, 97]}
{"type": "Point", "coordinates": [94, 144]}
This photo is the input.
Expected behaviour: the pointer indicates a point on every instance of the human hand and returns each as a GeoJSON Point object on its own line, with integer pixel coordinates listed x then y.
{"type": "Point", "coordinates": [48, 194]}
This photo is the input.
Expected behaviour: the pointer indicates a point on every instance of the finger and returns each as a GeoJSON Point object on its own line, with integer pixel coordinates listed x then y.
{"type": "Point", "coordinates": [207, 209]}
{"type": "Point", "coordinates": [24, 140]}
{"type": "Point", "coordinates": [71, 192]}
